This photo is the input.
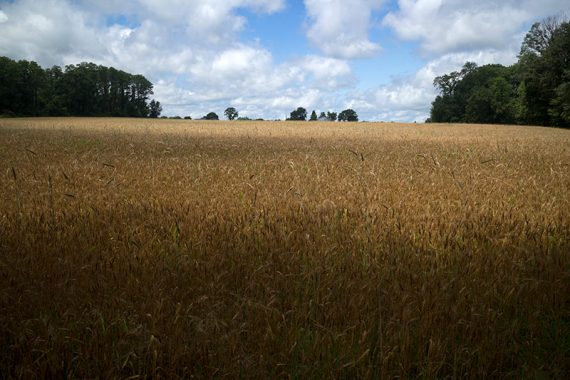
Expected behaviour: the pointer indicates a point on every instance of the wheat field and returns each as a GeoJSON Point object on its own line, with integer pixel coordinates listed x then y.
{"type": "Point", "coordinates": [162, 249]}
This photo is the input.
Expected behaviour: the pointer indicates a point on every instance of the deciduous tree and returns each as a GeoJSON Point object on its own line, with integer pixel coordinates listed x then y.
{"type": "Point", "coordinates": [348, 115]}
{"type": "Point", "coordinates": [155, 109]}
{"type": "Point", "coordinates": [231, 113]}
{"type": "Point", "coordinates": [211, 116]}
{"type": "Point", "coordinates": [299, 114]}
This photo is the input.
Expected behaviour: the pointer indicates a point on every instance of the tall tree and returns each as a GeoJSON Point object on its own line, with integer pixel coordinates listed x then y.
{"type": "Point", "coordinates": [540, 34]}
{"type": "Point", "coordinates": [331, 116]}
{"type": "Point", "coordinates": [53, 95]}
{"type": "Point", "coordinates": [348, 115]}
{"type": "Point", "coordinates": [155, 109]}
{"type": "Point", "coordinates": [313, 116]}
{"type": "Point", "coordinates": [85, 89]}
{"type": "Point", "coordinates": [299, 114]}
{"type": "Point", "coordinates": [543, 71]}
{"type": "Point", "coordinates": [211, 116]}
{"type": "Point", "coordinates": [231, 113]}
{"type": "Point", "coordinates": [483, 94]}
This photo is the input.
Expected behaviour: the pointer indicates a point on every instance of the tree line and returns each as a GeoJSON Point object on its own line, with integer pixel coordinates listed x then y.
{"type": "Point", "coordinates": [533, 91]}
{"type": "Point", "coordinates": [85, 89]}
{"type": "Point", "coordinates": [300, 114]}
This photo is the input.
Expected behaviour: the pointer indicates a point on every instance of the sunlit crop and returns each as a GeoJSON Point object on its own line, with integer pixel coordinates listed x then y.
{"type": "Point", "coordinates": [281, 249]}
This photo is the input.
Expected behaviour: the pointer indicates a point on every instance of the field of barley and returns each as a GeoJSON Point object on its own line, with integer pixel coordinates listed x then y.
{"type": "Point", "coordinates": [160, 248]}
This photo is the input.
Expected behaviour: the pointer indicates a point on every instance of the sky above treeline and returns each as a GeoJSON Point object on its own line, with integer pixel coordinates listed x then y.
{"type": "Point", "coordinates": [268, 57]}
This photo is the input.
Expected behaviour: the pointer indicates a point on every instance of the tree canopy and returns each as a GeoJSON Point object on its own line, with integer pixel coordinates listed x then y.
{"type": "Point", "coordinates": [299, 114]}
{"type": "Point", "coordinates": [535, 90]}
{"type": "Point", "coordinates": [86, 89]}
{"type": "Point", "coordinates": [211, 116]}
{"type": "Point", "coordinates": [231, 113]}
{"type": "Point", "coordinates": [348, 115]}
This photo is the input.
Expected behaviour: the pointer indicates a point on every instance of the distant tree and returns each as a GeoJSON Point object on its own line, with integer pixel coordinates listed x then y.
{"type": "Point", "coordinates": [53, 96]}
{"type": "Point", "coordinates": [447, 83]}
{"type": "Point", "coordinates": [483, 94]}
{"type": "Point", "coordinates": [444, 110]}
{"type": "Point", "coordinates": [323, 116]}
{"type": "Point", "coordinates": [155, 109]}
{"type": "Point", "coordinates": [231, 113]}
{"type": "Point", "coordinates": [539, 36]}
{"type": "Point", "coordinates": [187, 117]}
{"type": "Point", "coordinates": [543, 73]}
{"type": "Point", "coordinates": [313, 116]}
{"type": "Point", "coordinates": [299, 114]}
{"type": "Point", "coordinates": [243, 118]}
{"type": "Point", "coordinates": [535, 90]}
{"type": "Point", "coordinates": [348, 115]}
{"type": "Point", "coordinates": [211, 116]}
{"type": "Point", "coordinates": [557, 59]}
{"type": "Point", "coordinates": [332, 116]}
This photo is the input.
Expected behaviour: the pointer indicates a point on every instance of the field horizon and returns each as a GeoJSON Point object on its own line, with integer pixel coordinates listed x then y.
{"type": "Point", "coordinates": [187, 248]}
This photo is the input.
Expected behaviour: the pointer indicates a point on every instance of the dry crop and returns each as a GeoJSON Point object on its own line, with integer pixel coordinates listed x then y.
{"type": "Point", "coordinates": [282, 249]}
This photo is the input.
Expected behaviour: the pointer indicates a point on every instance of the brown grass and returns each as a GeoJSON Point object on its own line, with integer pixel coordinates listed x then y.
{"type": "Point", "coordinates": [266, 249]}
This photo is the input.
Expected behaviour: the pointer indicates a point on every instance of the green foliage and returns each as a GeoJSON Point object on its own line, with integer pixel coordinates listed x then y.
{"type": "Point", "coordinates": [560, 109]}
{"type": "Point", "coordinates": [536, 90]}
{"type": "Point", "coordinates": [348, 115]}
{"type": "Point", "coordinates": [313, 116]}
{"type": "Point", "coordinates": [332, 116]}
{"type": "Point", "coordinates": [155, 109]}
{"type": "Point", "coordinates": [538, 38]}
{"type": "Point", "coordinates": [231, 113]}
{"type": "Point", "coordinates": [86, 89]}
{"type": "Point", "coordinates": [211, 116]}
{"type": "Point", "coordinates": [298, 114]}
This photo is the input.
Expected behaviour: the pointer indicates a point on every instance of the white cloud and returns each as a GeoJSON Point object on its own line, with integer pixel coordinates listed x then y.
{"type": "Point", "coordinates": [47, 31]}
{"type": "Point", "coordinates": [327, 73]}
{"type": "Point", "coordinates": [247, 78]}
{"type": "Point", "coordinates": [459, 25]}
{"type": "Point", "coordinates": [409, 98]}
{"type": "Point", "coordinates": [3, 17]}
{"type": "Point", "coordinates": [340, 28]}
{"type": "Point", "coordinates": [238, 69]}
{"type": "Point", "coordinates": [191, 49]}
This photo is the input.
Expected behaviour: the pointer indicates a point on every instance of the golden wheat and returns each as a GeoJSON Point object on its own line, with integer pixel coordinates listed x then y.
{"type": "Point", "coordinates": [281, 249]}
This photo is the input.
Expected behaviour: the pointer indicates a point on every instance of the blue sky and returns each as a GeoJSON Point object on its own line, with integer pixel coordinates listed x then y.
{"type": "Point", "coordinates": [267, 57]}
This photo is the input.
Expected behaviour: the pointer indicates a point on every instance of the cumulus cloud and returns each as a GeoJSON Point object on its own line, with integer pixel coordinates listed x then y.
{"type": "Point", "coordinates": [46, 31]}
{"type": "Point", "coordinates": [192, 75]}
{"type": "Point", "coordinates": [409, 98]}
{"type": "Point", "coordinates": [191, 49]}
{"type": "Point", "coordinates": [328, 73]}
{"type": "Point", "coordinates": [3, 17]}
{"type": "Point", "coordinates": [340, 28]}
{"type": "Point", "coordinates": [56, 31]}
{"type": "Point", "coordinates": [247, 77]}
{"type": "Point", "coordinates": [457, 25]}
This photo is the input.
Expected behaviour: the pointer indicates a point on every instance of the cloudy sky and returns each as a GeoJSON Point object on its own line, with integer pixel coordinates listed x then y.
{"type": "Point", "coordinates": [267, 57]}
